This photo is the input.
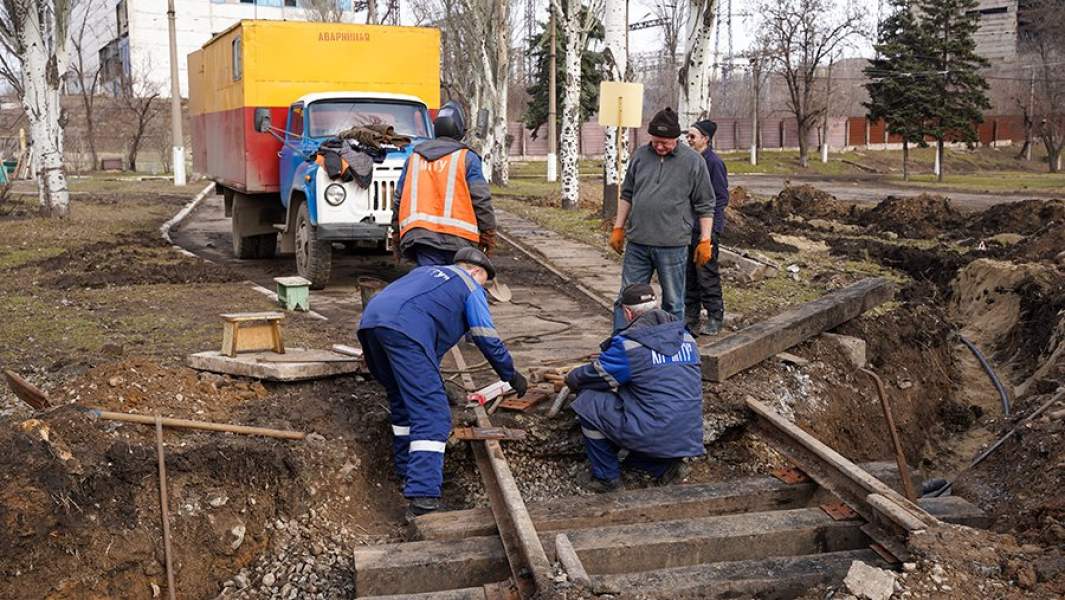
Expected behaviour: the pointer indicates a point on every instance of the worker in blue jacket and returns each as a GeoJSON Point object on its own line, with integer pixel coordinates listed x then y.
{"type": "Point", "coordinates": [643, 394]}
{"type": "Point", "coordinates": [405, 330]}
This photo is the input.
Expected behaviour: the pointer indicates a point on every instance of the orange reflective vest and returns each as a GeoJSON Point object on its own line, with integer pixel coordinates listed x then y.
{"type": "Point", "coordinates": [436, 197]}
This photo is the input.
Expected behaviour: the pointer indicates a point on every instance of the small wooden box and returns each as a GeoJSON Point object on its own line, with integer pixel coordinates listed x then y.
{"type": "Point", "coordinates": [252, 332]}
{"type": "Point", "coordinates": [293, 293]}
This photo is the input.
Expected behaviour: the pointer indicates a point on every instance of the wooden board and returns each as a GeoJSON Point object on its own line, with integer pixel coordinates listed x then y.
{"type": "Point", "coordinates": [249, 365]}
{"type": "Point", "coordinates": [724, 358]}
{"type": "Point", "coordinates": [26, 391]}
{"type": "Point", "coordinates": [252, 316]}
{"type": "Point", "coordinates": [488, 433]}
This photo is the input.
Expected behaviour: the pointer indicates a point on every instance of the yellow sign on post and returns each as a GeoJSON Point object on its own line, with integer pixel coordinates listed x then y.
{"type": "Point", "coordinates": [620, 105]}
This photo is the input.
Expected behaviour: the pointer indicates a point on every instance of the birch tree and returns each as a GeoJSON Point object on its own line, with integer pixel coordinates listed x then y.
{"type": "Point", "coordinates": [615, 26]}
{"type": "Point", "coordinates": [37, 32]}
{"type": "Point", "coordinates": [577, 22]}
{"type": "Point", "coordinates": [696, 70]}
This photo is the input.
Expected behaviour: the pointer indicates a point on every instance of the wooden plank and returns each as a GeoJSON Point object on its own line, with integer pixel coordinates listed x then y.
{"type": "Point", "coordinates": [785, 577]}
{"type": "Point", "coordinates": [237, 338]}
{"type": "Point", "coordinates": [476, 593]}
{"type": "Point", "coordinates": [488, 433]}
{"type": "Point", "coordinates": [252, 316]}
{"type": "Point", "coordinates": [571, 562]}
{"type": "Point", "coordinates": [249, 365]}
{"type": "Point", "coordinates": [435, 564]}
{"type": "Point", "coordinates": [635, 506]}
{"type": "Point", "coordinates": [26, 391]}
{"type": "Point", "coordinates": [750, 346]}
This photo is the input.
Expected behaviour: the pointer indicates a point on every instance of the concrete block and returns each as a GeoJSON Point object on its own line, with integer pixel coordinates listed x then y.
{"type": "Point", "coordinates": [853, 348]}
{"type": "Point", "coordinates": [869, 583]}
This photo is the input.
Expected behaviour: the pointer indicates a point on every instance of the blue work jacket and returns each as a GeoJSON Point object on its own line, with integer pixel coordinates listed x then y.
{"type": "Point", "coordinates": [435, 306]}
{"type": "Point", "coordinates": [644, 392]}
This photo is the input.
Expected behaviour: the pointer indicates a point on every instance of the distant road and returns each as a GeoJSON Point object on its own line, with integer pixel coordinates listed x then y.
{"type": "Point", "coordinates": [871, 191]}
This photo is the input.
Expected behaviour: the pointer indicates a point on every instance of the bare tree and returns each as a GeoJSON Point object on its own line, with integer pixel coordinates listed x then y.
{"type": "Point", "coordinates": [800, 35]}
{"type": "Point", "coordinates": [88, 80]}
{"type": "Point", "coordinates": [615, 29]}
{"type": "Point", "coordinates": [695, 73]}
{"type": "Point", "coordinates": [577, 20]}
{"type": "Point", "coordinates": [475, 68]}
{"type": "Point", "coordinates": [138, 99]}
{"type": "Point", "coordinates": [1045, 48]}
{"type": "Point", "coordinates": [36, 32]}
{"type": "Point", "coordinates": [324, 11]}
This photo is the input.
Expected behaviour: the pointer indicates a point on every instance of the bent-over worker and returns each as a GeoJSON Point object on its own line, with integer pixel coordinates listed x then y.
{"type": "Point", "coordinates": [405, 331]}
{"type": "Point", "coordinates": [442, 201]}
{"type": "Point", "coordinates": [643, 394]}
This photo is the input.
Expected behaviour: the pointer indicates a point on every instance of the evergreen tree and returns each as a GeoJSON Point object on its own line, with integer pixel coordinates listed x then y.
{"type": "Point", "coordinates": [592, 68]}
{"type": "Point", "coordinates": [956, 91]}
{"type": "Point", "coordinates": [898, 93]}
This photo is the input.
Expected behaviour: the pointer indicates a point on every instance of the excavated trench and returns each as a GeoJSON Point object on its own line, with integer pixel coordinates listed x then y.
{"type": "Point", "coordinates": [257, 518]}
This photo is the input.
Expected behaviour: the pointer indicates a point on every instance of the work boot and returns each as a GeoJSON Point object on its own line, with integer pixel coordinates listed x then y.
{"type": "Point", "coordinates": [600, 486]}
{"type": "Point", "coordinates": [676, 473]}
{"type": "Point", "coordinates": [419, 506]}
{"type": "Point", "coordinates": [711, 327]}
{"type": "Point", "coordinates": [692, 325]}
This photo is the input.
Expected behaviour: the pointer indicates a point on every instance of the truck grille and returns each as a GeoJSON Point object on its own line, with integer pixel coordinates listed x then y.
{"type": "Point", "coordinates": [384, 187]}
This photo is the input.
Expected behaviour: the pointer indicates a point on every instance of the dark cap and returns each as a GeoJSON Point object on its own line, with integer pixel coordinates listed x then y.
{"type": "Point", "coordinates": [708, 127]}
{"type": "Point", "coordinates": [664, 124]}
{"type": "Point", "coordinates": [637, 293]}
{"type": "Point", "coordinates": [476, 257]}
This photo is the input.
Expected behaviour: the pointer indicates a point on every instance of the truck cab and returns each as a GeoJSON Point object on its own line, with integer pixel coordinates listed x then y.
{"type": "Point", "coordinates": [319, 211]}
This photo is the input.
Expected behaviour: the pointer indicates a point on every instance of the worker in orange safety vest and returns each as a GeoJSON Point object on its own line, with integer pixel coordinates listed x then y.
{"type": "Point", "coordinates": [442, 201]}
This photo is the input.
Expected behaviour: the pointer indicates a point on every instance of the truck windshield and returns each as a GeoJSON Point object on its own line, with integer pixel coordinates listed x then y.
{"type": "Point", "coordinates": [330, 117]}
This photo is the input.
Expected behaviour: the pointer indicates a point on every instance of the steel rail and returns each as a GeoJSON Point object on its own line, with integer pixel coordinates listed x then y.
{"type": "Point", "coordinates": [891, 517]}
{"type": "Point", "coordinates": [569, 279]}
{"type": "Point", "coordinates": [529, 567]}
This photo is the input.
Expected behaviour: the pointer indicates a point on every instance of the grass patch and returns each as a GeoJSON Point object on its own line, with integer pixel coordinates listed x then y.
{"type": "Point", "coordinates": [580, 225]}
{"type": "Point", "coordinates": [998, 182]}
{"type": "Point", "coordinates": [13, 258]}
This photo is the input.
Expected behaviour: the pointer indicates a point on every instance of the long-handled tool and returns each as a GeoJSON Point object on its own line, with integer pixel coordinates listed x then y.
{"type": "Point", "coordinates": [556, 406]}
{"type": "Point", "coordinates": [164, 509]}
{"type": "Point", "coordinates": [900, 457]}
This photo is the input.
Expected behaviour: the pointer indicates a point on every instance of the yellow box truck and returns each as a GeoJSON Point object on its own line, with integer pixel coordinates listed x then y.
{"type": "Point", "coordinates": [263, 95]}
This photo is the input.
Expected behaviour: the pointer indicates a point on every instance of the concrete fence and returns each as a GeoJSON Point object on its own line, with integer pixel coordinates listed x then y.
{"type": "Point", "coordinates": [775, 134]}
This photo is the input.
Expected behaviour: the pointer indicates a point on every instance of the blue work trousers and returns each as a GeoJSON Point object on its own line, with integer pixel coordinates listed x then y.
{"type": "Point", "coordinates": [603, 456]}
{"type": "Point", "coordinates": [421, 415]}
{"type": "Point", "coordinates": [640, 262]}
{"type": "Point", "coordinates": [430, 256]}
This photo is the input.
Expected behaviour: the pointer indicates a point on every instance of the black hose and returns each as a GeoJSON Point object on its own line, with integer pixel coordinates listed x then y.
{"type": "Point", "coordinates": [990, 373]}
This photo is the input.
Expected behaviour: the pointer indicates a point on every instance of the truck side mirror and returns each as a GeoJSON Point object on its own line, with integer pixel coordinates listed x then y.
{"type": "Point", "coordinates": [262, 120]}
{"type": "Point", "coordinates": [482, 123]}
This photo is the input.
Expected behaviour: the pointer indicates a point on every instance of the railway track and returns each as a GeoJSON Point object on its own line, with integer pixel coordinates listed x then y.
{"type": "Point", "coordinates": [768, 536]}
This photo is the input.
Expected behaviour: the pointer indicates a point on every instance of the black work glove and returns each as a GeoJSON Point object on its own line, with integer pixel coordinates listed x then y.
{"type": "Point", "coordinates": [519, 383]}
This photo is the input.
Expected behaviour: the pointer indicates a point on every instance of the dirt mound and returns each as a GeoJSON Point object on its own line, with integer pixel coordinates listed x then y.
{"type": "Point", "coordinates": [1017, 312]}
{"type": "Point", "coordinates": [1026, 217]}
{"type": "Point", "coordinates": [1045, 245]}
{"type": "Point", "coordinates": [137, 259]}
{"type": "Point", "coordinates": [923, 216]}
{"type": "Point", "coordinates": [802, 200]}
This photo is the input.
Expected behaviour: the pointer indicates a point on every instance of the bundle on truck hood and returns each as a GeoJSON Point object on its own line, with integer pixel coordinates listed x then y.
{"type": "Point", "coordinates": [307, 152]}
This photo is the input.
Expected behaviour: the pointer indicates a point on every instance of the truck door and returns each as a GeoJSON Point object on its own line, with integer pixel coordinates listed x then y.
{"type": "Point", "coordinates": [291, 154]}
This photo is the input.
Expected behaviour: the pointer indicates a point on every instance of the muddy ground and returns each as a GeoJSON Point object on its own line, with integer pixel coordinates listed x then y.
{"type": "Point", "coordinates": [110, 312]}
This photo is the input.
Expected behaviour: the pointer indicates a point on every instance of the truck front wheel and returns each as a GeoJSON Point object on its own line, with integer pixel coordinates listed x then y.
{"type": "Point", "coordinates": [314, 258]}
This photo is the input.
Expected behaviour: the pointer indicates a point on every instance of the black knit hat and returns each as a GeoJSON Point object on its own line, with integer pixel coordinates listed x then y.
{"type": "Point", "coordinates": [664, 124]}
{"type": "Point", "coordinates": [637, 293]}
{"type": "Point", "coordinates": [476, 257]}
{"type": "Point", "coordinates": [708, 127]}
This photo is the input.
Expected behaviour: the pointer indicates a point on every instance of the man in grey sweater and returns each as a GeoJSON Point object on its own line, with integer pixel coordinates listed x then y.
{"type": "Point", "coordinates": [665, 187]}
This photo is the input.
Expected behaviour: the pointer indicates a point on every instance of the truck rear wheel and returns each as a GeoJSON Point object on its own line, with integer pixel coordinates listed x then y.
{"type": "Point", "coordinates": [248, 225]}
{"type": "Point", "coordinates": [314, 258]}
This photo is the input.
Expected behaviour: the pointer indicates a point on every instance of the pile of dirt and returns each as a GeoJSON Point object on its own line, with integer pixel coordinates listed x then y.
{"type": "Point", "coordinates": [133, 259]}
{"type": "Point", "coordinates": [915, 217]}
{"type": "Point", "coordinates": [936, 265]}
{"type": "Point", "coordinates": [1047, 244]}
{"type": "Point", "coordinates": [79, 512]}
{"type": "Point", "coordinates": [1026, 217]}
{"type": "Point", "coordinates": [802, 200]}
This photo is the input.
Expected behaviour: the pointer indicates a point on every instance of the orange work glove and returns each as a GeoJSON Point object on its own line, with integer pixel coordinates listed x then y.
{"type": "Point", "coordinates": [617, 239]}
{"type": "Point", "coordinates": [487, 243]}
{"type": "Point", "coordinates": [703, 252]}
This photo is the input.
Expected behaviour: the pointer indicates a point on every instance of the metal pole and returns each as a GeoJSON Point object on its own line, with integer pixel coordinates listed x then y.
{"type": "Point", "coordinates": [163, 508]}
{"type": "Point", "coordinates": [552, 108]}
{"type": "Point", "coordinates": [889, 419]}
{"type": "Point", "coordinates": [828, 103]}
{"type": "Point", "coordinates": [175, 102]}
{"type": "Point", "coordinates": [756, 75]}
